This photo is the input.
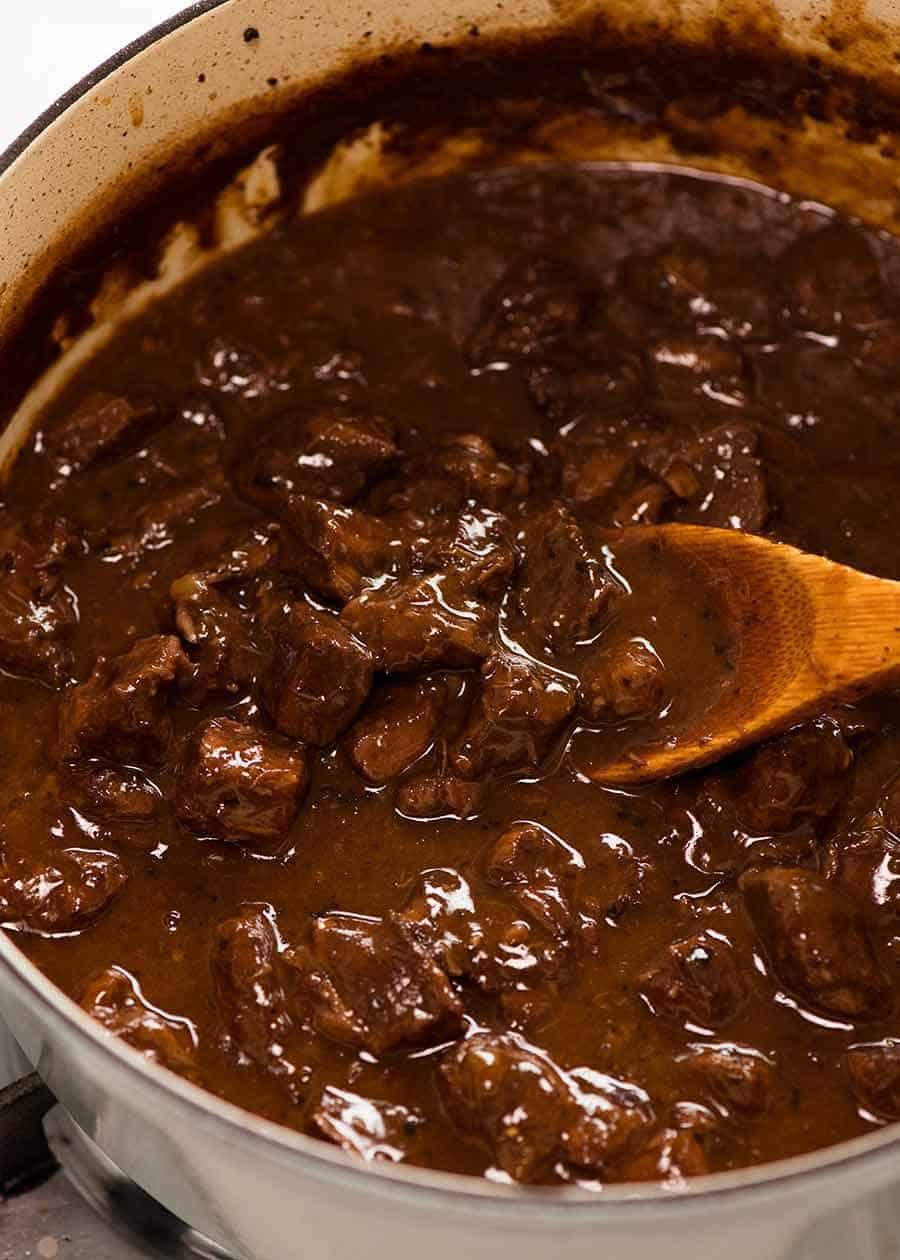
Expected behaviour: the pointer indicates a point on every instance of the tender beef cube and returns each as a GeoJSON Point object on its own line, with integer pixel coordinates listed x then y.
{"type": "Point", "coordinates": [239, 370]}
{"type": "Point", "coordinates": [874, 1071]}
{"type": "Point", "coordinates": [245, 965]}
{"type": "Point", "coordinates": [114, 999]}
{"type": "Point", "coordinates": [440, 914]}
{"type": "Point", "coordinates": [628, 681]}
{"type": "Point", "coordinates": [510, 1099]}
{"type": "Point", "coordinates": [489, 946]}
{"type": "Point", "coordinates": [333, 548]}
{"type": "Point", "coordinates": [434, 796]}
{"type": "Point", "coordinates": [37, 612]}
{"type": "Point", "coordinates": [562, 590]}
{"type": "Point", "coordinates": [612, 1118]}
{"type": "Point", "coordinates": [673, 1155]}
{"type": "Point", "coordinates": [238, 784]}
{"type": "Point", "coordinates": [535, 303]}
{"type": "Point", "coordinates": [421, 622]}
{"type": "Point", "coordinates": [865, 862]}
{"type": "Point", "coordinates": [373, 1130]}
{"type": "Point", "coordinates": [521, 706]}
{"type": "Point", "coordinates": [159, 522]}
{"type": "Point", "coordinates": [331, 454]}
{"type": "Point", "coordinates": [716, 479]}
{"type": "Point", "coordinates": [318, 678]}
{"type": "Point", "coordinates": [114, 795]}
{"type": "Point", "coordinates": [697, 979]}
{"type": "Point", "coordinates": [830, 277]}
{"type": "Point", "coordinates": [63, 893]}
{"type": "Point", "coordinates": [219, 637]}
{"type": "Point", "coordinates": [247, 556]}
{"type": "Point", "coordinates": [735, 1078]}
{"type": "Point", "coordinates": [797, 778]}
{"type": "Point", "coordinates": [480, 552]}
{"type": "Point", "coordinates": [121, 712]}
{"type": "Point", "coordinates": [540, 871]}
{"type": "Point", "coordinates": [817, 942]}
{"type": "Point", "coordinates": [471, 461]}
{"type": "Point", "coordinates": [104, 425]}
{"type": "Point", "coordinates": [591, 475]}
{"type": "Point", "coordinates": [372, 985]}
{"type": "Point", "coordinates": [694, 288]}
{"type": "Point", "coordinates": [686, 364]}
{"type": "Point", "coordinates": [399, 729]}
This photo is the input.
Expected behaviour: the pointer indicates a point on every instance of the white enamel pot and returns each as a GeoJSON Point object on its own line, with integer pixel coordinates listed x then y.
{"type": "Point", "coordinates": [261, 1191]}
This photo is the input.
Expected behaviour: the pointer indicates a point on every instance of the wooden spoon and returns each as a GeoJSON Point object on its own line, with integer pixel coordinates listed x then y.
{"type": "Point", "coordinates": [807, 633]}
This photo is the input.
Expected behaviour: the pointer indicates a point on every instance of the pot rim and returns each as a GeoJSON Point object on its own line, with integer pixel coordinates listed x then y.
{"type": "Point", "coordinates": [429, 1188]}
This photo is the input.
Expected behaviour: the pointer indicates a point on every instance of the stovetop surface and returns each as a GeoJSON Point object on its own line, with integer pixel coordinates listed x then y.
{"type": "Point", "coordinates": [52, 1222]}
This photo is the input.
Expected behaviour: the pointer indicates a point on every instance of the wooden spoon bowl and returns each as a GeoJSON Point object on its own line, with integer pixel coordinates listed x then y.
{"type": "Point", "coordinates": [808, 633]}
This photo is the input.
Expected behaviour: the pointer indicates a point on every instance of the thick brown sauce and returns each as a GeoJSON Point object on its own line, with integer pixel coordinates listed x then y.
{"type": "Point", "coordinates": [748, 379]}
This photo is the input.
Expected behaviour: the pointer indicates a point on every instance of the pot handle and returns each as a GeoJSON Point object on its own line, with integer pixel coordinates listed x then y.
{"type": "Point", "coordinates": [24, 1153]}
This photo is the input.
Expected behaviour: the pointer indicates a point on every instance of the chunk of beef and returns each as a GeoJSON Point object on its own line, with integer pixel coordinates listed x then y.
{"type": "Point", "coordinates": [158, 524]}
{"type": "Point", "coordinates": [539, 871]}
{"type": "Point", "coordinates": [672, 1155]}
{"type": "Point", "coordinates": [399, 729]}
{"type": "Point", "coordinates": [831, 277]}
{"type": "Point", "coordinates": [864, 861]}
{"type": "Point", "coordinates": [104, 425]}
{"type": "Point", "coordinates": [372, 985]}
{"type": "Point", "coordinates": [693, 288]}
{"type": "Point", "coordinates": [697, 979]}
{"type": "Point", "coordinates": [121, 712]}
{"type": "Point", "coordinates": [37, 612]}
{"type": "Point", "coordinates": [238, 784]}
{"type": "Point", "coordinates": [817, 942]}
{"type": "Point", "coordinates": [471, 462]}
{"type": "Point", "coordinates": [333, 548]}
{"type": "Point", "coordinates": [736, 1078]}
{"type": "Point", "coordinates": [480, 552]}
{"type": "Point", "coordinates": [219, 637]}
{"type": "Point", "coordinates": [63, 893]}
{"type": "Point", "coordinates": [433, 796]}
{"type": "Point", "coordinates": [509, 1098]}
{"type": "Point", "coordinates": [684, 364]}
{"type": "Point", "coordinates": [114, 999]}
{"type": "Point", "coordinates": [111, 794]}
{"type": "Point", "coordinates": [535, 303]}
{"type": "Point", "coordinates": [797, 778]}
{"type": "Point", "coordinates": [421, 622]}
{"type": "Point", "coordinates": [715, 479]}
{"type": "Point", "coordinates": [440, 914]}
{"type": "Point", "coordinates": [373, 1130]}
{"type": "Point", "coordinates": [627, 681]}
{"type": "Point", "coordinates": [562, 590]}
{"type": "Point", "coordinates": [248, 988]}
{"type": "Point", "coordinates": [521, 706]}
{"type": "Point", "coordinates": [318, 678]}
{"type": "Point", "coordinates": [489, 946]}
{"type": "Point", "coordinates": [874, 1071]}
{"type": "Point", "coordinates": [239, 371]}
{"type": "Point", "coordinates": [612, 1118]}
{"type": "Point", "coordinates": [332, 454]}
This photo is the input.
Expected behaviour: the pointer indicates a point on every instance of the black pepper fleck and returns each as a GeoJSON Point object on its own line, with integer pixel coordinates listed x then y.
{"type": "Point", "coordinates": [250, 34]}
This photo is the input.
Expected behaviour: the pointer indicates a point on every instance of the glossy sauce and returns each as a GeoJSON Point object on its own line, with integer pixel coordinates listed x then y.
{"type": "Point", "coordinates": [718, 354]}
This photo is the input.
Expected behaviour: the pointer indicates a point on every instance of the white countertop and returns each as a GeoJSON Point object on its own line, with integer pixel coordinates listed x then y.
{"type": "Point", "coordinates": [48, 45]}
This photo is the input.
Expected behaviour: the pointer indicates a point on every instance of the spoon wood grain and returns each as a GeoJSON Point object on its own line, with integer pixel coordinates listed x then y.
{"type": "Point", "coordinates": [807, 634]}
